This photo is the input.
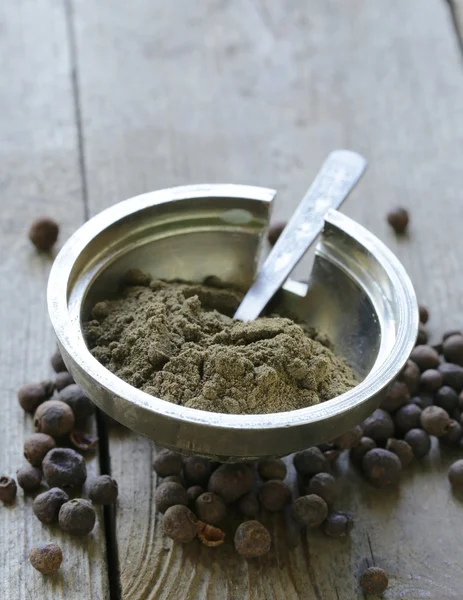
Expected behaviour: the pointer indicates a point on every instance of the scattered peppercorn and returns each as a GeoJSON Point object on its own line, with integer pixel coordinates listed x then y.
{"type": "Point", "coordinates": [435, 420]}
{"type": "Point", "coordinates": [452, 375]}
{"type": "Point", "coordinates": [103, 490]}
{"type": "Point", "coordinates": [43, 233]}
{"type": "Point", "coordinates": [180, 524]}
{"type": "Point", "coordinates": [64, 468]}
{"type": "Point", "coordinates": [407, 417]}
{"type": "Point", "coordinates": [54, 418]}
{"type": "Point", "coordinates": [447, 398]}
{"type": "Point", "coordinates": [210, 508]}
{"type": "Point", "coordinates": [31, 395]}
{"type": "Point", "coordinates": [274, 495]}
{"type": "Point", "coordinates": [78, 402]}
{"type": "Point", "coordinates": [402, 449]}
{"type": "Point", "coordinates": [338, 524]}
{"type": "Point", "coordinates": [425, 357]}
{"type": "Point", "coordinates": [36, 446]}
{"type": "Point", "coordinates": [46, 506]}
{"type": "Point", "coordinates": [46, 557]}
{"type": "Point", "coordinates": [349, 439]}
{"type": "Point", "coordinates": [77, 517]}
{"type": "Point", "coordinates": [249, 505]}
{"type": "Point", "coordinates": [167, 463]}
{"type": "Point", "coordinates": [194, 492]}
{"type": "Point", "coordinates": [356, 454]}
{"type": "Point", "coordinates": [381, 467]}
{"type": "Point", "coordinates": [196, 470]}
{"type": "Point", "coordinates": [8, 489]}
{"type": "Point", "coordinates": [424, 314]}
{"type": "Point", "coordinates": [450, 332]}
{"type": "Point", "coordinates": [419, 441]}
{"type": "Point", "coordinates": [398, 219]}
{"type": "Point", "coordinates": [410, 375]}
{"type": "Point", "coordinates": [323, 485]}
{"type": "Point", "coordinates": [231, 481]}
{"type": "Point", "coordinates": [397, 395]}
{"type": "Point", "coordinates": [456, 474]}
{"type": "Point", "coordinates": [374, 581]}
{"type": "Point", "coordinates": [431, 380]}
{"type": "Point", "coordinates": [252, 539]}
{"type": "Point", "coordinates": [422, 337]}
{"type": "Point", "coordinates": [169, 494]}
{"type": "Point", "coordinates": [310, 510]}
{"type": "Point", "coordinates": [274, 232]}
{"type": "Point", "coordinates": [57, 362]}
{"type": "Point", "coordinates": [271, 468]}
{"type": "Point", "coordinates": [453, 435]}
{"type": "Point", "coordinates": [29, 478]}
{"type": "Point", "coordinates": [379, 426]}
{"type": "Point", "coordinates": [209, 535]}
{"type": "Point", "coordinates": [452, 349]}
{"type": "Point", "coordinates": [310, 461]}
{"type": "Point", "coordinates": [62, 380]}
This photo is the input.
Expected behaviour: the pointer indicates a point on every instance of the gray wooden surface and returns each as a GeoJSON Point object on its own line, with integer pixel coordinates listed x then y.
{"type": "Point", "coordinates": [254, 92]}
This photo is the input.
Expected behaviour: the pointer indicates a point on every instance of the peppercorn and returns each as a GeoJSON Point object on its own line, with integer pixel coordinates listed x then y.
{"type": "Point", "coordinates": [36, 446]}
{"type": "Point", "coordinates": [252, 539]}
{"type": "Point", "coordinates": [338, 524]}
{"type": "Point", "coordinates": [29, 478]}
{"type": "Point", "coordinates": [447, 398]}
{"type": "Point", "coordinates": [194, 492]}
{"type": "Point", "coordinates": [431, 380]}
{"type": "Point", "coordinates": [103, 490]}
{"type": "Point", "coordinates": [381, 467]}
{"type": "Point", "coordinates": [54, 418]}
{"type": "Point", "coordinates": [374, 581]}
{"type": "Point", "coordinates": [57, 362]}
{"type": "Point", "coordinates": [397, 395]}
{"type": "Point", "coordinates": [398, 219]}
{"type": "Point", "coordinates": [451, 332]}
{"type": "Point", "coordinates": [46, 506]}
{"type": "Point", "coordinates": [419, 441]}
{"type": "Point", "coordinates": [310, 461]}
{"type": "Point", "coordinates": [310, 510]}
{"type": "Point", "coordinates": [210, 508]}
{"type": "Point", "coordinates": [456, 474]}
{"type": "Point", "coordinates": [64, 468]}
{"type": "Point", "coordinates": [62, 380]}
{"type": "Point", "coordinates": [356, 454]}
{"type": "Point", "coordinates": [271, 468]}
{"type": "Point", "coordinates": [274, 232]}
{"type": "Point", "coordinates": [167, 463]}
{"type": "Point", "coordinates": [249, 505]}
{"type": "Point", "coordinates": [379, 426]}
{"type": "Point", "coordinates": [452, 375]}
{"type": "Point", "coordinates": [423, 401]}
{"type": "Point", "coordinates": [323, 485]}
{"type": "Point", "coordinates": [31, 395]}
{"type": "Point", "coordinates": [77, 517]}
{"type": "Point", "coordinates": [452, 349]}
{"type": "Point", "coordinates": [274, 495]}
{"type": "Point", "coordinates": [168, 494]}
{"type": "Point", "coordinates": [402, 449]}
{"type": "Point", "coordinates": [46, 557]}
{"type": "Point", "coordinates": [410, 375]}
{"type": "Point", "coordinates": [136, 277]}
{"type": "Point", "coordinates": [180, 524]}
{"type": "Point", "coordinates": [424, 314]}
{"type": "Point", "coordinates": [78, 402]}
{"type": "Point", "coordinates": [435, 420]}
{"type": "Point", "coordinates": [349, 439]}
{"type": "Point", "coordinates": [453, 435]}
{"type": "Point", "coordinates": [43, 233]}
{"type": "Point", "coordinates": [174, 479]}
{"type": "Point", "coordinates": [422, 337]}
{"type": "Point", "coordinates": [8, 489]}
{"type": "Point", "coordinates": [425, 357]}
{"type": "Point", "coordinates": [196, 470]}
{"type": "Point", "coordinates": [407, 417]}
{"type": "Point", "coordinates": [231, 481]}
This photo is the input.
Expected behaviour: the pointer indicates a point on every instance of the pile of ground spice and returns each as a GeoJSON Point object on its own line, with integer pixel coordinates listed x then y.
{"type": "Point", "coordinates": [177, 341]}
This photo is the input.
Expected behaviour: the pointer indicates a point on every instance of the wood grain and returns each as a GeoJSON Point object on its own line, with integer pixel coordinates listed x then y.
{"type": "Point", "coordinates": [38, 175]}
{"type": "Point", "coordinates": [259, 92]}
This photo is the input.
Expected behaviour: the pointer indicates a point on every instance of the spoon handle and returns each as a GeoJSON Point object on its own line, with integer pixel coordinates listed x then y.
{"type": "Point", "coordinates": [338, 175]}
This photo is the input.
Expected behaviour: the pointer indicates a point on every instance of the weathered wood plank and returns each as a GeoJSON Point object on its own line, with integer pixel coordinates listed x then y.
{"type": "Point", "coordinates": [39, 174]}
{"type": "Point", "coordinates": [259, 92]}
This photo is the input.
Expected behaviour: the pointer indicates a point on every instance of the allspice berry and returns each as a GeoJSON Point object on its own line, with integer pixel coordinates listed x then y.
{"type": "Point", "coordinates": [453, 435]}
{"type": "Point", "coordinates": [78, 402]}
{"type": "Point", "coordinates": [210, 508]}
{"type": "Point", "coordinates": [379, 426]}
{"type": "Point", "coordinates": [419, 441]}
{"type": "Point", "coordinates": [456, 474]}
{"type": "Point", "coordinates": [402, 449]}
{"type": "Point", "coordinates": [8, 489]}
{"type": "Point", "coordinates": [103, 490]}
{"type": "Point", "coordinates": [62, 380]}
{"type": "Point", "coordinates": [274, 495]}
{"type": "Point", "coordinates": [77, 517]}
{"type": "Point", "coordinates": [167, 463]}
{"type": "Point", "coordinates": [430, 380]}
{"type": "Point", "coordinates": [452, 375]}
{"type": "Point", "coordinates": [374, 581]}
{"type": "Point", "coordinates": [397, 395]}
{"type": "Point", "coordinates": [435, 420]}
{"type": "Point", "coordinates": [310, 510]}
{"type": "Point", "coordinates": [349, 439]}
{"type": "Point", "coordinates": [46, 557]}
{"type": "Point", "coordinates": [169, 494]}
{"type": "Point", "coordinates": [54, 418]}
{"type": "Point", "coordinates": [407, 417]}
{"type": "Point", "coordinates": [29, 478]}
{"type": "Point", "coordinates": [64, 468]}
{"type": "Point", "coordinates": [452, 349]}
{"type": "Point", "coordinates": [310, 461]}
{"type": "Point", "coordinates": [447, 398]}
{"type": "Point", "coordinates": [249, 505]}
{"type": "Point", "coordinates": [356, 454]}
{"type": "Point", "coordinates": [252, 539]}
{"type": "Point", "coordinates": [196, 470]}
{"type": "Point", "coordinates": [43, 233]}
{"type": "Point", "coordinates": [57, 362]}
{"type": "Point", "coordinates": [338, 524]}
{"type": "Point", "coordinates": [271, 468]}
{"type": "Point", "coordinates": [381, 467]}
{"type": "Point", "coordinates": [325, 486]}
{"type": "Point", "coordinates": [410, 375]}
{"type": "Point", "coordinates": [31, 395]}
{"type": "Point", "coordinates": [46, 506]}
{"type": "Point", "coordinates": [398, 219]}
{"type": "Point", "coordinates": [180, 524]}
{"type": "Point", "coordinates": [36, 446]}
{"type": "Point", "coordinates": [424, 314]}
{"type": "Point", "coordinates": [194, 492]}
{"type": "Point", "coordinates": [231, 481]}
{"type": "Point", "coordinates": [425, 357]}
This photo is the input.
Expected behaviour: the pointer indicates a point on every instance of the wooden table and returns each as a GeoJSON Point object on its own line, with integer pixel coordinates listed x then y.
{"type": "Point", "coordinates": [101, 101]}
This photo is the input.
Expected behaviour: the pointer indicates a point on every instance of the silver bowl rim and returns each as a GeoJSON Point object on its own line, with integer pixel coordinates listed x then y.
{"type": "Point", "coordinates": [70, 335]}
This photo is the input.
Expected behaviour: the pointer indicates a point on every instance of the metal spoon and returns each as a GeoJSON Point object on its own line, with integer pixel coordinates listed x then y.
{"type": "Point", "coordinates": [337, 177]}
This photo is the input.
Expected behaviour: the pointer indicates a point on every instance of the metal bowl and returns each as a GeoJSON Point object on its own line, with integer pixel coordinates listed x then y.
{"type": "Point", "coordinates": [358, 293]}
